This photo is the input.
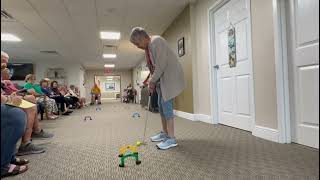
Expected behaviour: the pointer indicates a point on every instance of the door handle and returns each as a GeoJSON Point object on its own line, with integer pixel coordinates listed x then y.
{"type": "Point", "coordinates": [216, 67]}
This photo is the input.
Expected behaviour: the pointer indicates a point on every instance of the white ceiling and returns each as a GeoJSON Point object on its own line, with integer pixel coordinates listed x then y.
{"type": "Point", "coordinates": [71, 27]}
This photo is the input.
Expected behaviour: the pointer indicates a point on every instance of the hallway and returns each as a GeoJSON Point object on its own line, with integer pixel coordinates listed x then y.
{"type": "Point", "coordinates": [89, 150]}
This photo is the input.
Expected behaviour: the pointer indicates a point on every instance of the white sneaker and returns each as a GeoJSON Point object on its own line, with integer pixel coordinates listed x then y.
{"type": "Point", "coordinates": [159, 137]}
{"type": "Point", "coordinates": [167, 144]}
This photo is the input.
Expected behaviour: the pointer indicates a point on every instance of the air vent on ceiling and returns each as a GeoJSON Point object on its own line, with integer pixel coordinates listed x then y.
{"type": "Point", "coordinates": [49, 52]}
{"type": "Point", "coordinates": [110, 46]}
{"type": "Point", "coordinates": [110, 49]}
{"type": "Point", "coordinates": [5, 16]}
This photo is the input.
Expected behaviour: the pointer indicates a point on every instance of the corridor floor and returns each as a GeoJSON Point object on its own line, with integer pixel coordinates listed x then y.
{"type": "Point", "coordinates": [89, 150]}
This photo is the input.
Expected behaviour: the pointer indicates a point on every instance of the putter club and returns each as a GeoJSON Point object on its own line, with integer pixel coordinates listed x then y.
{"type": "Point", "coordinates": [145, 124]}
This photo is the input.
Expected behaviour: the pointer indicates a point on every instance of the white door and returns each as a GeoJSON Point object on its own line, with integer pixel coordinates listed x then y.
{"type": "Point", "coordinates": [234, 85]}
{"type": "Point", "coordinates": [304, 71]}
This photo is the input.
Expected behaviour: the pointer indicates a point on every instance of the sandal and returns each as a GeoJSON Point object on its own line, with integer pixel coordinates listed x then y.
{"type": "Point", "coordinates": [20, 162]}
{"type": "Point", "coordinates": [13, 170]}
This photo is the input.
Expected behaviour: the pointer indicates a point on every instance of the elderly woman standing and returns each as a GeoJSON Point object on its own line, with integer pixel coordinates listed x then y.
{"type": "Point", "coordinates": [166, 77]}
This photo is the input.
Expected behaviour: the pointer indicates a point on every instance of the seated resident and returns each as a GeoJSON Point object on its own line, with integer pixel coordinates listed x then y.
{"type": "Point", "coordinates": [124, 96]}
{"type": "Point", "coordinates": [95, 94]}
{"type": "Point", "coordinates": [130, 95]}
{"type": "Point", "coordinates": [35, 90]}
{"type": "Point", "coordinates": [10, 87]}
{"type": "Point", "coordinates": [59, 99]}
{"type": "Point", "coordinates": [13, 125]}
{"type": "Point", "coordinates": [62, 89]}
{"type": "Point", "coordinates": [73, 97]}
{"type": "Point", "coordinates": [4, 60]}
{"type": "Point", "coordinates": [33, 129]}
{"type": "Point", "coordinates": [82, 100]}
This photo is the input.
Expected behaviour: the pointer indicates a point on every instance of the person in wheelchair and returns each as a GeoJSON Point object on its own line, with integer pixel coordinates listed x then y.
{"type": "Point", "coordinates": [95, 94]}
{"type": "Point", "coordinates": [125, 96]}
{"type": "Point", "coordinates": [130, 95]}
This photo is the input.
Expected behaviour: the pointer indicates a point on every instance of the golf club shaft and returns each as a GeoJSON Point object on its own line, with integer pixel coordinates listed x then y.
{"type": "Point", "coordinates": [147, 117]}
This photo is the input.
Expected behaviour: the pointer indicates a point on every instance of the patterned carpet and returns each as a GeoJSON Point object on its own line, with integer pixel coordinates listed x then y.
{"type": "Point", "coordinates": [89, 150]}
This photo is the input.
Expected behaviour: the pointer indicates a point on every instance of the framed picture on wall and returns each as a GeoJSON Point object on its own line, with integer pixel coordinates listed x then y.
{"type": "Point", "coordinates": [56, 73]}
{"type": "Point", "coordinates": [181, 50]}
{"type": "Point", "coordinates": [110, 86]}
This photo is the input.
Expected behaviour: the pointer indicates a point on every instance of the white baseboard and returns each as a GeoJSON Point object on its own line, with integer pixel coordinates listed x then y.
{"type": "Point", "coordinates": [258, 131]}
{"type": "Point", "coordinates": [184, 115]}
{"type": "Point", "coordinates": [266, 133]}
{"type": "Point", "coordinates": [193, 117]}
{"type": "Point", "coordinates": [203, 118]}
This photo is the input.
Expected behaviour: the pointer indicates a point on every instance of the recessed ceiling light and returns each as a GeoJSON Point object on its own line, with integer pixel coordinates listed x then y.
{"type": "Point", "coordinates": [109, 65]}
{"type": "Point", "coordinates": [9, 37]}
{"type": "Point", "coordinates": [110, 35]}
{"type": "Point", "coordinates": [109, 55]}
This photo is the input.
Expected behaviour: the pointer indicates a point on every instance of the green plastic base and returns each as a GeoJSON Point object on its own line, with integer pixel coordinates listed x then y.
{"type": "Point", "coordinates": [123, 157]}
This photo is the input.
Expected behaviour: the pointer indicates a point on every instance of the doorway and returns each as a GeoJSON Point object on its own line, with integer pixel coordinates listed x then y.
{"type": "Point", "coordinates": [303, 70]}
{"type": "Point", "coordinates": [110, 86]}
{"type": "Point", "coordinates": [232, 75]}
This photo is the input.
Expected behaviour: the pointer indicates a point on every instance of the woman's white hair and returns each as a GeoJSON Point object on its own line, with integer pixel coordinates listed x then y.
{"type": "Point", "coordinates": [137, 33]}
{"type": "Point", "coordinates": [4, 54]}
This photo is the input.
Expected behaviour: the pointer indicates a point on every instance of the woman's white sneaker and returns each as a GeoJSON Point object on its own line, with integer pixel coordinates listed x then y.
{"type": "Point", "coordinates": [168, 143]}
{"type": "Point", "coordinates": [159, 137]}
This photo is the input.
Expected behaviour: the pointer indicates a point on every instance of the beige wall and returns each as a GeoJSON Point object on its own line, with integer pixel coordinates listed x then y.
{"type": "Point", "coordinates": [126, 79]}
{"type": "Point", "coordinates": [179, 28]}
{"type": "Point", "coordinates": [263, 60]}
{"type": "Point", "coordinates": [200, 41]}
{"type": "Point", "coordinates": [139, 74]}
{"type": "Point", "coordinates": [264, 63]}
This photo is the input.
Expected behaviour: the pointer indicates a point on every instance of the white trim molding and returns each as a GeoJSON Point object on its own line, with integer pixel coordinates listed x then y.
{"type": "Point", "coordinates": [266, 133]}
{"type": "Point", "coordinates": [193, 117]}
{"type": "Point", "coordinates": [203, 118]}
{"type": "Point", "coordinates": [184, 115]}
{"type": "Point", "coordinates": [281, 67]}
{"type": "Point", "coordinates": [212, 73]}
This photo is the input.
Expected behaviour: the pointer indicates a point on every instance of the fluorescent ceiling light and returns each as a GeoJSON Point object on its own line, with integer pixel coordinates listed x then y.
{"type": "Point", "coordinates": [109, 65]}
{"type": "Point", "coordinates": [110, 35]}
{"type": "Point", "coordinates": [109, 55]}
{"type": "Point", "coordinates": [9, 37]}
